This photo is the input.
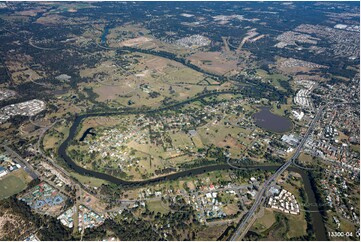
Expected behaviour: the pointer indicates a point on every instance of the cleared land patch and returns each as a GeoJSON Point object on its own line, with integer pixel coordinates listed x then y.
{"type": "Point", "coordinates": [213, 62]}
{"type": "Point", "coordinates": [147, 80]}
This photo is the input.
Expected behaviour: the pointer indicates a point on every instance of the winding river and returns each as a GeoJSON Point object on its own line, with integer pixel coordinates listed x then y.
{"type": "Point", "coordinates": [316, 217]}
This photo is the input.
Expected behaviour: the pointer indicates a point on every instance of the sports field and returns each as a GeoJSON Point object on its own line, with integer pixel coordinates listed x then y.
{"type": "Point", "coordinates": [10, 185]}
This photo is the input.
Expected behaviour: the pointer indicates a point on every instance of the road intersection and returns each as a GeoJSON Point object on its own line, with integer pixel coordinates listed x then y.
{"type": "Point", "coordinates": [260, 198]}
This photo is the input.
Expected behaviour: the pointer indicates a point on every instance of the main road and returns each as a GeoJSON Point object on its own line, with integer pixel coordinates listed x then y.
{"type": "Point", "coordinates": [261, 194]}
{"type": "Point", "coordinates": [27, 167]}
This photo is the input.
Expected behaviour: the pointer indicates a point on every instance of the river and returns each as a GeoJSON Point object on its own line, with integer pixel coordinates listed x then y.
{"type": "Point", "coordinates": [316, 217]}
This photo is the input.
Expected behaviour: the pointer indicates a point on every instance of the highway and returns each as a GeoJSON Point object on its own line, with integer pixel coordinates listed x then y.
{"type": "Point", "coordinates": [27, 167]}
{"type": "Point", "coordinates": [261, 194]}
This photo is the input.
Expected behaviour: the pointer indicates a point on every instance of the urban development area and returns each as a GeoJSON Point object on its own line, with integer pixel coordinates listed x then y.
{"type": "Point", "coordinates": [180, 121]}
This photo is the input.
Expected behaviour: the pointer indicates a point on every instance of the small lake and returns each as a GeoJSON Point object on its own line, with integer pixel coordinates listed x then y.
{"type": "Point", "coordinates": [272, 122]}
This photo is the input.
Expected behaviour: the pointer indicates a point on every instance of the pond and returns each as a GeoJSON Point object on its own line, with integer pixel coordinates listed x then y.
{"type": "Point", "coordinates": [265, 119]}
{"type": "Point", "coordinates": [88, 131]}
{"type": "Point", "coordinates": [103, 38]}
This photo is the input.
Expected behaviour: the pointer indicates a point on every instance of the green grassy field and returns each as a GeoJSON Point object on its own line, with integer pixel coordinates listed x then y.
{"type": "Point", "coordinates": [265, 222]}
{"type": "Point", "coordinates": [297, 225]}
{"type": "Point", "coordinates": [281, 111]}
{"type": "Point", "coordinates": [91, 181]}
{"type": "Point", "coordinates": [158, 206]}
{"type": "Point", "coordinates": [274, 78]}
{"type": "Point", "coordinates": [10, 185]}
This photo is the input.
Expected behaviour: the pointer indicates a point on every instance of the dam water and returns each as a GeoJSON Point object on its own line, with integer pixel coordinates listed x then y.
{"type": "Point", "coordinates": [267, 120]}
